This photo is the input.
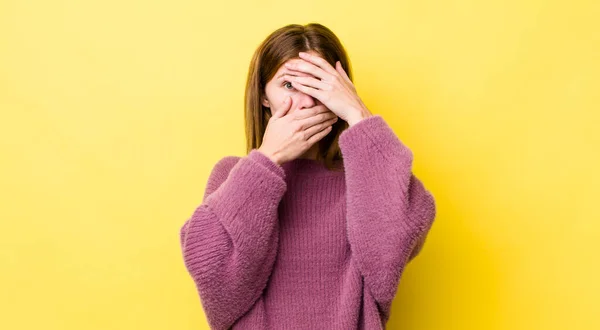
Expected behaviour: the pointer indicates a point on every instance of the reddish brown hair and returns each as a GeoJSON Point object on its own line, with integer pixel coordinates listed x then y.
{"type": "Point", "coordinates": [280, 46]}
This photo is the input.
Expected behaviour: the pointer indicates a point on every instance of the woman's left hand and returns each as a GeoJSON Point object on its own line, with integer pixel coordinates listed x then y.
{"type": "Point", "coordinates": [334, 89]}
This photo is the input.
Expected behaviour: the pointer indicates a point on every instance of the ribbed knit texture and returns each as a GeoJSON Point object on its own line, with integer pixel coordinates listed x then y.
{"type": "Point", "coordinates": [298, 246]}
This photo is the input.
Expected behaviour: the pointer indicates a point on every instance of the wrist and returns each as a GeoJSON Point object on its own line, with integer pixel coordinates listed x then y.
{"type": "Point", "coordinates": [270, 155]}
{"type": "Point", "coordinates": [358, 116]}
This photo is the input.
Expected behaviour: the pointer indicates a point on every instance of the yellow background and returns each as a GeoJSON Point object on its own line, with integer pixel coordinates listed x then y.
{"type": "Point", "coordinates": [114, 112]}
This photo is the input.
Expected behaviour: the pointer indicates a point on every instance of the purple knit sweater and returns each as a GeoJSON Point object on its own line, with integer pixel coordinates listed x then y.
{"type": "Point", "coordinates": [298, 246]}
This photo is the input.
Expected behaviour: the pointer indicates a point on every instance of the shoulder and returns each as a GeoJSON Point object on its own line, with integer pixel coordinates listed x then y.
{"type": "Point", "coordinates": [228, 161]}
{"type": "Point", "coordinates": [225, 164]}
{"type": "Point", "coordinates": [219, 173]}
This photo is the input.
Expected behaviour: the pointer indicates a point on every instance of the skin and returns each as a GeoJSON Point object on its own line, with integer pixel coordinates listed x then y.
{"type": "Point", "coordinates": [309, 81]}
{"type": "Point", "coordinates": [331, 86]}
{"type": "Point", "coordinates": [280, 87]}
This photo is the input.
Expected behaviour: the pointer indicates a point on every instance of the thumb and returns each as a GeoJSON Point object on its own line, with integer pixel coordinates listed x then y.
{"type": "Point", "coordinates": [286, 107]}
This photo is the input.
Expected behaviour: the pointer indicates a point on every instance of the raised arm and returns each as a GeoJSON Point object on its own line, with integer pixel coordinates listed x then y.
{"type": "Point", "coordinates": [389, 211]}
{"type": "Point", "coordinates": [230, 242]}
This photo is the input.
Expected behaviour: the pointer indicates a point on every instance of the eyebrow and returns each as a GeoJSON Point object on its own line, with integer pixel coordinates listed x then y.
{"type": "Point", "coordinates": [281, 75]}
{"type": "Point", "coordinates": [292, 74]}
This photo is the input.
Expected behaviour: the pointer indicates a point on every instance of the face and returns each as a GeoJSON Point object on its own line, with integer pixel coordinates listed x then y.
{"type": "Point", "coordinates": [277, 89]}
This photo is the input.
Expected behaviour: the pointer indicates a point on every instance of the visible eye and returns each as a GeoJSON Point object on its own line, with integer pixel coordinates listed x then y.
{"type": "Point", "coordinates": [287, 83]}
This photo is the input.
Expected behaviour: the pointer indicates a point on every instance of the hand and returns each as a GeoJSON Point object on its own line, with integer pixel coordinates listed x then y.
{"type": "Point", "coordinates": [334, 89]}
{"type": "Point", "coordinates": [288, 136]}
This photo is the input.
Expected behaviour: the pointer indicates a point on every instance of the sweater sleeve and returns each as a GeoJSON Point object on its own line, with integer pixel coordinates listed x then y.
{"type": "Point", "coordinates": [229, 244]}
{"type": "Point", "coordinates": [389, 211]}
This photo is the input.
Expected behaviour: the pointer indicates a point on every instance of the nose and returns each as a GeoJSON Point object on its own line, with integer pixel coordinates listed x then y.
{"type": "Point", "coordinates": [305, 101]}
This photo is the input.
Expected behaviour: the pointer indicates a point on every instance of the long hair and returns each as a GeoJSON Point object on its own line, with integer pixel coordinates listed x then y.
{"type": "Point", "coordinates": [280, 46]}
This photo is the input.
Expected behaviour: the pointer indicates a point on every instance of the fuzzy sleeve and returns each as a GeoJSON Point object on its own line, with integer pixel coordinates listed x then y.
{"type": "Point", "coordinates": [389, 211]}
{"type": "Point", "coordinates": [229, 244]}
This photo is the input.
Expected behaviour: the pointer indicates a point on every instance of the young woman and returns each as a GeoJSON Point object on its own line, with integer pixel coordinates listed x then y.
{"type": "Point", "coordinates": [313, 228]}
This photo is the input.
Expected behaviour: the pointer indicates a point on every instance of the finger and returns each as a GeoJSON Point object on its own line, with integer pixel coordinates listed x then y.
{"type": "Point", "coordinates": [340, 69]}
{"type": "Point", "coordinates": [318, 132]}
{"type": "Point", "coordinates": [308, 67]}
{"type": "Point", "coordinates": [286, 107]}
{"type": "Point", "coordinates": [318, 61]}
{"type": "Point", "coordinates": [308, 90]}
{"type": "Point", "coordinates": [309, 112]}
{"type": "Point", "coordinates": [317, 119]}
{"type": "Point", "coordinates": [308, 81]}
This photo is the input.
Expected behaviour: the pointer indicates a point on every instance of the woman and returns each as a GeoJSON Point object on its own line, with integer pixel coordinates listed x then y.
{"type": "Point", "coordinates": [311, 229]}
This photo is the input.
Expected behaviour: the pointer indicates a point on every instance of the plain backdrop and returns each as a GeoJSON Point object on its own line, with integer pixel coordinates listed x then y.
{"type": "Point", "coordinates": [114, 112]}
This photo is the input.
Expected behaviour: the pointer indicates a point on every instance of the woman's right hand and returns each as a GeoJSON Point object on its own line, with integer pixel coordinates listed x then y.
{"type": "Point", "coordinates": [288, 136]}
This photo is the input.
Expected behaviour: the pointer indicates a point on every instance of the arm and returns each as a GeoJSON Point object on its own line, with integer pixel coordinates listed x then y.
{"type": "Point", "coordinates": [230, 242]}
{"type": "Point", "coordinates": [389, 211]}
